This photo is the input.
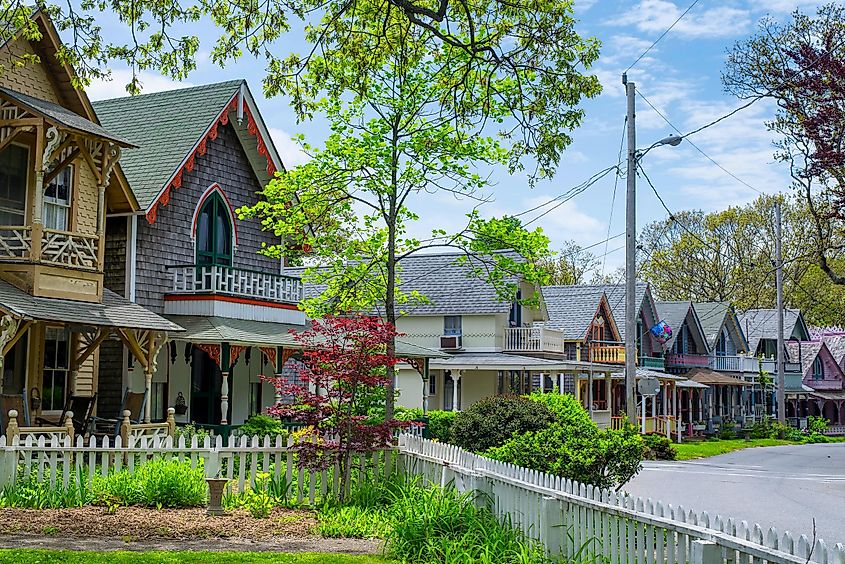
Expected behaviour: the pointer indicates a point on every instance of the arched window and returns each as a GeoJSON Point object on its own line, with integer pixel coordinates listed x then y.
{"type": "Point", "coordinates": [214, 231]}
{"type": "Point", "coordinates": [722, 343]}
{"type": "Point", "coordinates": [818, 369]}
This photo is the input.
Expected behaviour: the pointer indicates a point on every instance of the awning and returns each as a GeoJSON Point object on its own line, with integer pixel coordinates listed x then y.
{"type": "Point", "coordinates": [502, 361]}
{"type": "Point", "coordinates": [834, 395]}
{"type": "Point", "coordinates": [214, 330]}
{"type": "Point", "coordinates": [713, 378]}
{"type": "Point", "coordinates": [114, 311]}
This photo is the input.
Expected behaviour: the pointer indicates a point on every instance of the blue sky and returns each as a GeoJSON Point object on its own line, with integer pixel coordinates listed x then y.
{"type": "Point", "coordinates": [680, 76]}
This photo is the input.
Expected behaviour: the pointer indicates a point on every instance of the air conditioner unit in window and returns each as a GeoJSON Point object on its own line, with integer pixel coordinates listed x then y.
{"type": "Point", "coordinates": [451, 342]}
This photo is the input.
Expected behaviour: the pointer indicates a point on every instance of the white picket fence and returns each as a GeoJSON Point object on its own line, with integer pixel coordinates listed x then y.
{"type": "Point", "coordinates": [568, 517]}
{"type": "Point", "coordinates": [245, 461]}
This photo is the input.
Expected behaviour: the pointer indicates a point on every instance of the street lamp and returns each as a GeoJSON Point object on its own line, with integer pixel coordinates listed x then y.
{"type": "Point", "coordinates": [631, 248]}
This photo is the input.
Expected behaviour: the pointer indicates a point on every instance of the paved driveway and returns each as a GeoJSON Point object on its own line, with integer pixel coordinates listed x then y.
{"type": "Point", "coordinates": [785, 487]}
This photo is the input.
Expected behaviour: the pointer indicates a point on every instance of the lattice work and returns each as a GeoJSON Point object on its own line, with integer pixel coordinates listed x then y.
{"type": "Point", "coordinates": [15, 242]}
{"type": "Point", "coordinates": [69, 249]}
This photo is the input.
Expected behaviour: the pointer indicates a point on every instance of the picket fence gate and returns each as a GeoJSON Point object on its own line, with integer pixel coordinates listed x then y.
{"type": "Point", "coordinates": [245, 461]}
{"type": "Point", "coordinates": [574, 520]}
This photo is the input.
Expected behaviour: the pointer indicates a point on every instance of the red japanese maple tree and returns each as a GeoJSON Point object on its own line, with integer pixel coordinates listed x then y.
{"type": "Point", "coordinates": [342, 374]}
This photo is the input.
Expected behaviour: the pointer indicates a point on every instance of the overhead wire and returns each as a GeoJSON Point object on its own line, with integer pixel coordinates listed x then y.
{"type": "Point", "coordinates": [662, 35]}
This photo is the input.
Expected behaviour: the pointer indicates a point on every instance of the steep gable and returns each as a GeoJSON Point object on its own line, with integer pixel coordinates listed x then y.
{"type": "Point", "coordinates": [714, 316]}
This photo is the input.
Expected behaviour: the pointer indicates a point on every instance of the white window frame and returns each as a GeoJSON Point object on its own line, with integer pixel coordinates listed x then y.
{"type": "Point", "coordinates": [55, 202]}
{"type": "Point", "coordinates": [66, 369]}
{"type": "Point", "coordinates": [26, 182]}
{"type": "Point", "coordinates": [451, 331]}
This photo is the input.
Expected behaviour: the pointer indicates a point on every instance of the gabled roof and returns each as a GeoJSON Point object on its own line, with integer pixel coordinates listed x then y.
{"type": "Point", "coordinates": [616, 299]}
{"type": "Point", "coordinates": [674, 313]}
{"type": "Point", "coordinates": [715, 315]}
{"type": "Point", "coordinates": [713, 378]}
{"type": "Point", "coordinates": [805, 352]}
{"type": "Point", "coordinates": [572, 309]}
{"type": "Point", "coordinates": [171, 127]}
{"type": "Point", "coordinates": [759, 324]}
{"type": "Point", "coordinates": [444, 280]}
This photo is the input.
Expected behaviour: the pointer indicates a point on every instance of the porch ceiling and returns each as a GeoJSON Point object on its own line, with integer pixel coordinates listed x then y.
{"type": "Point", "coordinates": [114, 311]}
{"type": "Point", "coordinates": [200, 329]}
{"type": "Point", "coordinates": [502, 361]}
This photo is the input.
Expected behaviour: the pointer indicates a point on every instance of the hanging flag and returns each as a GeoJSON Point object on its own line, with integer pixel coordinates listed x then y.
{"type": "Point", "coordinates": [662, 332]}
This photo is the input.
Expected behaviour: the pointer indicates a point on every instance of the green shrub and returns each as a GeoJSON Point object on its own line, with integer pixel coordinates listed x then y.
{"type": "Point", "coordinates": [727, 430]}
{"type": "Point", "coordinates": [494, 420]}
{"type": "Point", "coordinates": [352, 522]}
{"type": "Point", "coordinates": [762, 430]}
{"type": "Point", "coordinates": [817, 424]}
{"type": "Point", "coordinates": [440, 425]}
{"type": "Point", "coordinates": [604, 458]}
{"type": "Point", "coordinates": [158, 483]}
{"type": "Point", "coordinates": [658, 447]}
{"type": "Point", "coordinates": [189, 431]}
{"type": "Point", "coordinates": [407, 413]}
{"type": "Point", "coordinates": [31, 494]}
{"type": "Point", "coordinates": [566, 410]}
{"type": "Point", "coordinates": [785, 432]}
{"type": "Point", "coordinates": [261, 425]}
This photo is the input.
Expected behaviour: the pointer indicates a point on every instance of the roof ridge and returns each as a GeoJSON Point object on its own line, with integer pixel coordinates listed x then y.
{"type": "Point", "coordinates": [170, 91]}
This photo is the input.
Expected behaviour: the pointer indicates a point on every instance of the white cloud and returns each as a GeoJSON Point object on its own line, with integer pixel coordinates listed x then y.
{"type": "Point", "coordinates": [291, 153]}
{"type": "Point", "coordinates": [115, 86]}
{"type": "Point", "coordinates": [655, 16]}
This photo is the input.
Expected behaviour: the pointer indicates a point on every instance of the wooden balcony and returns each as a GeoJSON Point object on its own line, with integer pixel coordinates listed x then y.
{"type": "Point", "coordinates": [237, 282]}
{"type": "Point", "coordinates": [608, 354]}
{"type": "Point", "coordinates": [59, 248]}
{"type": "Point", "coordinates": [533, 339]}
{"type": "Point", "coordinates": [735, 363]}
{"type": "Point", "coordinates": [651, 362]}
{"type": "Point", "coordinates": [688, 360]}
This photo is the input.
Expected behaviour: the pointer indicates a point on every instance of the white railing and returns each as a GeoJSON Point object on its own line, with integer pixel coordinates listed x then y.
{"type": "Point", "coordinates": [533, 339]}
{"type": "Point", "coordinates": [69, 249]}
{"type": "Point", "coordinates": [243, 461]}
{"type": "Point", "coordinates": [735, 363]}
{"type": "Point", "coordinates": [570, 518]}
{"type": "Point", "coordinates": [214, 279]}
{"type": "Point", "coordinates": [15, 242]}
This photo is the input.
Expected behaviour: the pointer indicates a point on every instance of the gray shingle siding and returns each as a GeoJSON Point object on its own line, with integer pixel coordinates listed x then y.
{"type": "Point", "coordinates": [110, 383]}
{"type": "Point", "coordinates": [168, 240]}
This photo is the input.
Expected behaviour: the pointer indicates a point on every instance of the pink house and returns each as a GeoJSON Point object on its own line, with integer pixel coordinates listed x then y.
{"type": "Point", "coordinates": [822, 377]}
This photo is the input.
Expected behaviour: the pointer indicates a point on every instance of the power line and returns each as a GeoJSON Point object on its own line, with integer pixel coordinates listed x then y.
{"type": "Point", "coordinates": [697, 148]}
{"type": "Point", "coordinates": [615, 185]}
{"type": "Point", "coordinates": [662, 35]}
{"type": "Point", "coordinates": [560, 200]}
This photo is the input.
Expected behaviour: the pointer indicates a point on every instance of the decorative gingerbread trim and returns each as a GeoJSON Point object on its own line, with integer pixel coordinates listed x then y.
{"type": "Point", "coordinates": [270, 354]}
{"type": "Point", "coordinates": [418, 364]}
{"type": "Point", "coordinates": [286, 355]}
{"type": "Point", "coordinates": [211, 350]}
{"type": "Point", "coordinates": [234, 352]}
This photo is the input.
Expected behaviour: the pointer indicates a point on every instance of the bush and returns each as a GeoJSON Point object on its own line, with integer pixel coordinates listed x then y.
{"type": "Point", "coordinates": [31, 494]}
{"type": "Point", "coordinates": [785, 432]}
{"type": "Point", "coordinates": [158, 483]}
{"type": "Point", "coordinates": [565, 409]}
{"type": "Point", "coordinates": [440, 425]}
{"type": "Point", "coordinates": [817, 424]}
{"type": "Point", "coordinates": [604, 458]}
{"type": "Point", "coordinates": [658, 447]}
{"type": "Point", "coordinates": [352, 522]}
{"type": "Point", "coordinates": [494, 420]}
{"type": "Point", "coordinates": [727, 430]}
{"type": "Point", "coordinates": [261, 425]}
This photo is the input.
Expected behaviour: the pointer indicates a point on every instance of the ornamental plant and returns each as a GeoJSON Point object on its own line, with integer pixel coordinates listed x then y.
{"type": "Point", "coordinates": [341, 376]}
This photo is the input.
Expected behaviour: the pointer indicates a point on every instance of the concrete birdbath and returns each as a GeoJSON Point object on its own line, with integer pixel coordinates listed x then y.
{"type": "Point", "coordinates": [215, 495]}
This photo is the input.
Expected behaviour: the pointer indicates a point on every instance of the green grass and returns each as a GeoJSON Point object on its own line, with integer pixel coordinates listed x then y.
{"type": "Point", "coordinates": [703, 449]}
{"type": "Point", "coordinates": [161, 557]}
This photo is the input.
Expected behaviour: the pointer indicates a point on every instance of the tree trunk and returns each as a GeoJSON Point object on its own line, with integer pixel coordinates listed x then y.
{"type": "Point", "coordinates": [390, 294]}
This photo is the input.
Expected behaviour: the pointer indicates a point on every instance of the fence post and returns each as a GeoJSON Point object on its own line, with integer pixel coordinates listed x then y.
{"type": "Point", "coordinates": [705, 552]}
{"type": "Point", "coordinates": [171, 422]}
{"type": "Point", "coordinates": [482, 492]}
{"type": "Point", "coordinates": [552, 527]}
{"type": "Point", "coordinates": [69, 426]}
{"type": "Point", "coordinates": [12, 427]}
{"type": "Point", "coordinates": [125, 426]}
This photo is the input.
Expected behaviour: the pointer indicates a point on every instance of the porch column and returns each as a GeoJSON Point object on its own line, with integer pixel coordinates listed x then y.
{"type": "Point", "coordinates": [608, 392]}
{"type": "Point", "coordinates": [426, 377]}
{"type": "Point", "coordinates": [689, 403]}
{"type": "Point", "coordinates": [148, 389]}
{"type": "Point", "coordinates": [74, 363]}
{"type": "Point", "coordinates": [456, 377]}
{"type": "Point", "coordinates": [542, 383]}
{"type": "Point", "coordinates": [225, 367]}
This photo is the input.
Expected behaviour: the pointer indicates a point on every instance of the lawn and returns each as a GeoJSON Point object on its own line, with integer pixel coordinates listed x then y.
{"type": "Point", "coordinates": [126, 557]}
{"type": "Point", "coordinates": [703, 449]}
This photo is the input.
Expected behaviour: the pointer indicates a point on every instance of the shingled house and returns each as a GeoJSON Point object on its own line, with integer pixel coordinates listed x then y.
{"type": "Point", "coordinates": [60, 174]}
{"type": "Point", "coordinates": [201, 153]}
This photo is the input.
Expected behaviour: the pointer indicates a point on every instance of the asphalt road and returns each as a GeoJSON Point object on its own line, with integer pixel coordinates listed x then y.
{"type": "Point", "coordinates": [785, 487]}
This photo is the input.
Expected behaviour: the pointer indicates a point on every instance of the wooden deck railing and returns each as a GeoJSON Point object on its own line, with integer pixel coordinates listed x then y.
{"type": "Point", "coordinates": [62, 248]}
{"type": "Point", "coordinates": [216, 279]}
{"type": "Point", "coordinates": [608, 354]}
{"type": "Point", "coordinates": [691, 360]}
{"type": "Point", "coordinates": [533, 339]}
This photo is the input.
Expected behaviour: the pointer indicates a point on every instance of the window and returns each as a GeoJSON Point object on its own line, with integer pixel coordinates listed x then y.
{"type": "Point", "coordinates": [214, 232]}
{"type": "Point", "coordinates": [722, 344]}
{"type": "Point", "coordinates": [515, 317]}
{"type": "Point", "coordinates": [452, 325]}
{"type": "Point", "coordinates": [681, 341]}
{"type": "Point", "coordinates": [254, 398]}
{"type": "Point", "coordinates": [158, 407]}
{"type": "Point", "coordinates": [57, 198]}
{"type": "Point", "coordinates": [432, 385]}
{"type": "Point", "coordinates": [818, 369]}
{"type": "Point", "coordinates": [56, 365]}
{"type": "Point", "coordinates": [14, 165]}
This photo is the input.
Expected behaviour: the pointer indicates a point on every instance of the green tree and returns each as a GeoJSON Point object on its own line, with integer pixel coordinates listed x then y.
{"type": "Point", "coordinates": [571, 265]}
{"type": "Point", "coordinates": [398, 133]}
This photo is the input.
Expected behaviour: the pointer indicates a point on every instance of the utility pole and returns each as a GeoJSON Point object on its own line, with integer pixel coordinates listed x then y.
{"type": "Point", "coordinates": [779, 283]}
{"type": "Point", "coordinates": [631, 259]}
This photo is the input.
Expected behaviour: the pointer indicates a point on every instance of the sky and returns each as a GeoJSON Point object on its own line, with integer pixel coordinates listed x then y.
{"type": "Point", "coordinates": [680, 76]}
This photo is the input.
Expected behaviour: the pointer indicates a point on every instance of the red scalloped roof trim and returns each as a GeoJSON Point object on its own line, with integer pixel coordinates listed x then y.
{"type": "Point", "coordinates": [202, 147]}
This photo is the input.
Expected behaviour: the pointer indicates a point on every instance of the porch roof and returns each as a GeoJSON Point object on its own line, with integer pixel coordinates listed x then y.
{"type": "Point", "coordinates": [648, 373]}
{"type": "Point", "coordinates": [61, 116]}
{"type": "Point", "coordinates": [202, 329]}
{"type": "Point", "coordinates": [691, 385]}
{"type": "Point", "coordinates": [829, 394]}
{"type": "Point", "coordinates": [114, 311]}
{"type": "Point", "coordinates": [502, 361]}
{"type": "Point", "coordinates": [713, 378]}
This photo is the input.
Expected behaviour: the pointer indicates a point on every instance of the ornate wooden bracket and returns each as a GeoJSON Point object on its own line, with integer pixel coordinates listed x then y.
{"type": "Point", "coordinates": [270, 354]}
{"type": "Point", "coordinates": [418, 364]}
{"type": "Point", "coordinates": [234, 352]}
{"type": "Point", "coordinates": [9, 327]}
{"type": "Point", "coordinates": [212, 350]}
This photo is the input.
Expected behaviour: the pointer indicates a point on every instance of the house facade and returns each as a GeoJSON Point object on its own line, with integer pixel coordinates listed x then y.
{"type": "Point", "coordinates": [823, 383]}
{"type": "Point", "coordinates": [202, 153]}
{"type": "Point", "coordinates": [60, 174]}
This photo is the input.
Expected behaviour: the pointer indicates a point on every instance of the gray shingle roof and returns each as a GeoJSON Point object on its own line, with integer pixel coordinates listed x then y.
{"type": "Point", "coordinates": [806, 351]}
{"type": "Point", "coordinates": [761, 324]}
{"type": "Point", "coordinates": [674, 314]}
{"type": "Point", "coordinates": [836, 345]}
{"type": "Point", "coordinates": [572, 308]}
{"type": "Point", "coordinates": [448, 285]}
{"type": "Point", "coordinates": [711, 315]}
{"type": "Point", "coordinates": [62, 116]}
{"type": "Point", "coordinates": [165, 126]}
{"type": "Point", "coordinates": [616, 299]}
{"type": "Point", "coordinates": [115, 311]}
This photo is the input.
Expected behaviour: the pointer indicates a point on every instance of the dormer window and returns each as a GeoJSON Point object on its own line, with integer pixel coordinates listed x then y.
{"type": "Point", "coordinates": [818, 369]}
{"type": "Point", "coordinates": [14, 165]}
{"type": "Point", "coordinates": [214, 232]}
{"type": "Point", "coordinates": [57, 198]}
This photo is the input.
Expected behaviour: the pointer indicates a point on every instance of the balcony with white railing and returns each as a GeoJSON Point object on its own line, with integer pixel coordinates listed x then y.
{"type": "Point", "coordinates": [735, 363]}
{"type": "Point", "coordinates": [237, 282]}
{"type": "Point", "coordinates": [533, 339]}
